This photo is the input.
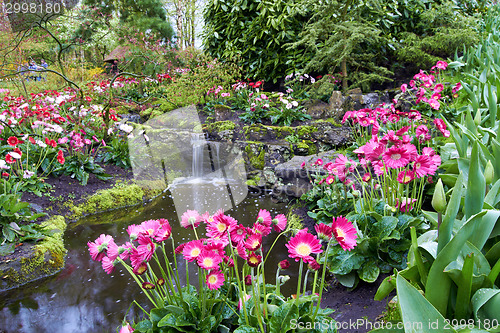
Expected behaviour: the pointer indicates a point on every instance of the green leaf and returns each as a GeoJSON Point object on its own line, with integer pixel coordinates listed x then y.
{"type": "Point", "coordinates": [7, 248]}
{"type": "Point", "coordinates": [476, 186]}
{"type": "Point", "coordinates": [369, 271]}
{"type": "Point", "coordinates": [175, 309]}
{"type": "Point", "coordinates": [282, 317]}
{"type": "Point", "coordinates": [485, 304]}
{"type": "Point", "coordinates": [446, 227]}
{"type": "Point", "coordinates": [246, 329]}
{"type": "Point", "coordinates": [417, 313]}
{"type": "Point", "coordinates": [384, 227]}
{"type": "Point", "coordinates": [345, 261]}
{"type": "Point", "coordinates": [143, 326]}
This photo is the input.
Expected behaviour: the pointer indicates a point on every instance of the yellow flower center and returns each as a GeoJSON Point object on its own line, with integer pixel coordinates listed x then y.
{"type": "Point", "coordinates": [406, 179]}
{"type": "Point", "coordinates": [221, 227]}
{"type": "Point", "coordinates": [253, 260]}
{"type": "Point", "coordinates": [304, 249]}
{"type": "Point", "coordinates": [195, 252]}
{"type": "Point", "coordinates": [418, 165]}
{"type": "Point", "coordinates": [212, 279]}
{"type": "Point", "coordinates": [340, 233]}
{"type": "Point", "coordinates": [208, 262]}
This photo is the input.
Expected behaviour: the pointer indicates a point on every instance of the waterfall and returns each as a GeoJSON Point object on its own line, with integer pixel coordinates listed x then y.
{"type": "Point", "coordinates": [198, 143]}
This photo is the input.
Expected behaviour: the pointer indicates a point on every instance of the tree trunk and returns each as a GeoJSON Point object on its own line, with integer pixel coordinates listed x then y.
{"type": "Point", "coordinates": [179, 12]}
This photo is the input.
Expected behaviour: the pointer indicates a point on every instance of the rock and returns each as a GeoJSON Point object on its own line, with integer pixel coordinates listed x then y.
{"type": "Point", "coordinates": [318, 109]}
{"type": "Point", "coordinates": [331, 135]}
{"type": "Point", "coordinates": [222, 112]}
{"type": "Point", "coordinates": [335, 102]}
{"type": "Point", "coordinates": [130, 117]}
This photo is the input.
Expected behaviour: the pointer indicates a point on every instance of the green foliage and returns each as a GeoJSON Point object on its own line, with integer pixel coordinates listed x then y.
{"type": "Point", "coordinates": [253, 34]}
{"type": "Point", "coordinates": [81, 166]}
{"type": "Point", "coordinates": [12, 213]}
{"type": "Point", "coordinates": [116, 152]}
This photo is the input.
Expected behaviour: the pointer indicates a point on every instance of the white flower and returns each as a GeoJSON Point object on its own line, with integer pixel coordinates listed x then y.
{"type": "Point", "coordinates": [15, 155]}
{"type": "Point", "coordinates": [126, 128]}
{"type": "Point", "coordinates": [284, 101]}
{"type": "Point", "coordinates": [110, 130]}
{"type": "Point", "coordinates": [289, 106]}
{"type": "Point", "coordinates": [40, 143]}
{"type": "Point", "coordinates": [312, 80]}
{"type": "Point", "coordinates": [3, 165]}
{"type": "Point", "coordinates": [294, 103]}
{"type": "Point", "coordinates": [27, 174]}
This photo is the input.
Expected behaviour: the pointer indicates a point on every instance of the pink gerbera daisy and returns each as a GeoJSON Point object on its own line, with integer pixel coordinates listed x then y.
{"type": "Point", "coordinates": [164, 231]}
{"type": "Point", "coordinates": [260, 228]}
{"type": "Point", "coordinates": [134, 231]}
{"type": "Point", "coordinates": [253, 242]}
{"type": "Point", "coordinates": [192, 250]}
{"type": "Point", "coordinates": [209, 260]}
{"type": "Point", "coordinates": [406, 204]}
{"type": "Point", "coordinates": [422, 166]}
{"type": "Point", "coordinates": [98, 249]}
{"type": "Point", "coordinates": [238, 233]}
{"type": "Point", "coordinates": [146, 248]}
{"type": "Point", "coordinates": [242, 252]}
{"type": "Point", "coordinates": [126, 328]}
{"type": "Point", "coordinates": [190, 219]}
{"type": "Point", "coordinates": [279, 222]}
{"type": "Point", "coordinates": [302, 245]}
{"type": "Point", "coordinates": [324, 231]}
{"type": "Point", "coordinates": [220, 225]}
{"type": "Point", "coordinates": [149, 227]}
{"type": "Point", "coordinates": [264, 217]}
{"type": "Point", "coordinates": [254, 259]}
{"type": "Point", "coordinates": [406, 176]}
{"type": "Point", "coordinates": [396, 157]}
{"type": "Point", "coordinates": [215, 279]}
{"type": "Point", "coordinates": [108, 264]}
{"type": "Point", "coordinates": [344, 232]}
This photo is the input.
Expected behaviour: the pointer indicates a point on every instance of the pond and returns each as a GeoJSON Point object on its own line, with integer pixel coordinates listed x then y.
{"type": "Point", "coordinates": [83, 298]}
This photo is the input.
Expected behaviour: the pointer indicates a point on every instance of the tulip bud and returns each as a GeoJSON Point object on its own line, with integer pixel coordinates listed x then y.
{"type": "Point", "coordinates": [477, 118]}
{"type": "Point", "coordinates": [489, 173]}
{"type": "Point", "coordinates": [439, 198]}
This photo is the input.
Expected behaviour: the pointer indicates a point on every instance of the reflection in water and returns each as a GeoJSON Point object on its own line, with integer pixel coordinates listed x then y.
{"type": "Point", "coordinates": [83, 298]}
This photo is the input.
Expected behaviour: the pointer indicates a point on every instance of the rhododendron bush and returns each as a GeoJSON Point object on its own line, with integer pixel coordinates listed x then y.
{"type": "Point", "coordinates": [230, 258]}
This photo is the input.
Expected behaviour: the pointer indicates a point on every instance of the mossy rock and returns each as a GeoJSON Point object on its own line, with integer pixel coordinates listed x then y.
{"type": "Point", "coordinates": [35, 261]}
{"type": "Point", "coordinates": [256, 155]}
{"type": "Point", "coordinates": [121, 195]}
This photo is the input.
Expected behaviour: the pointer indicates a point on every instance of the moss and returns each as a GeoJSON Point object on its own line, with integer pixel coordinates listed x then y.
{"type": "Point", "coordinates": [294, 221]}
{"type": "Point", "coordinates": [304, 132]}
{"type": "Point", "coordinates": [121, 195]}
{"type": "Point", "coordinates": [45, 258]}
{"type": "Point", "coordinates": [251, 182]}
{"type": "Point", "coordinates": [281, 131]}
{"type": "Point", "coordinates": [253, 130]}
{"type": "Point", "coordinates": [329, 120]}
{"type": "Point", "coordinates": [220, 126]}
{"type": "Point", "coordinates": [256, 155]}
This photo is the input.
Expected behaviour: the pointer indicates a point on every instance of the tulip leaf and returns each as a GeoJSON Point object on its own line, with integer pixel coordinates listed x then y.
{"type": "Point", "coordinates": [437, 288]}
{"type": "Point", "coordinates": [485, 304]}
{"type": "Point", "coordinates": [446, 227]}
{"type": "Point", "coordinates": [464, 288]}
{"type": "Point", "coordinates": [487, 225]}
{"type": "Point", "coordinates": [417, 313]}
{"type": "Point", "coordinates": [476, 186]}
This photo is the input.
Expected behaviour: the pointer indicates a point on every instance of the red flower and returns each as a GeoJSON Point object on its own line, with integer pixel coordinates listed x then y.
{"type": "Point", "coordinates": [13, 141]}
{"type": "Point", "coordinates": [5, 174]}
{"type": "Point", "coordinates": [9, 159]}
{"type": "Point", "coordinates": [32, 140]}
{"type": "Point", "coordinates": [52, 143]}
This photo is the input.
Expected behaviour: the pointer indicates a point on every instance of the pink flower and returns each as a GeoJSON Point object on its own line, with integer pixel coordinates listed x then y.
{"type": "Point", "coordinates": [209, 260]}
{"type": "Point", "coordinates": [324, 231]}
{"type": "Point", "coordinates": [146, 248]}
{"type": "Point", "coordinates": [220, 225]}
{"type": "Point", "coordinates": [253, 259]}
{"type": "Point", "coordinates": [366, 177]}
{"type": "Point", "coordinates": [260, 228]}
{"type": "Point", "coordinates": [441, 65]}
{"type": "Point", "coordinates": [404, 87]}
{"type": "Point", "coordinates": [134, 231]}
{"type": "Point", "coordinates": [98, 249]}
{"type": "Point", "coordinates": [284, 264]}
{"type": "Point", "coordinates": [405, 205]}
{"type": "Point", "coordinates": [164, 231]}
{"type": "Point", "coordinates": [240, 302]}
{"type": "Point", "coordinates": [302, 245]}
{"type": "Point", "coordinates": [344, 233]}
{"type": "Point", "coordinates": [239, 233]}
{"type": "Point", "coordinates": [149, 228]}
{"type": "Point", "coordinates": [319, 161]}
{"type": "Point", "coordinates": [240, 248]}
{"type": "Point", "coordinates": [192, 250]}
{"type": "Point", "coordinates": [441, 126]}
{"type": "Point", "coordinates": [406, 176]}
{"type": "Point", "coordinates": [434, 103]}
{"type": "Point", "coordinates": [215, 280]}
{"type": "Point", "coordinates": [279, 222]}
{"type": "Point", "coordinates": [108, 264]}
{"type": "Point", "coordinates": [396, 157]}
{"type": "Point", "coordinates": [423, 166]}
{"type": "Point", "coordinates": [438, 88]}
{"type": "Point", "coordinates": [191, 218]}
{"type": "Point", "coordinates": [422, 132]}
{"type": "Point", "coordinates": [253, 242]}
{"type": "Point", "coordinates": [126, 328]}
{"type": "Point", "coordinates": [456, 88]}
{"type": "Point", "coordinates": [264, 217]}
